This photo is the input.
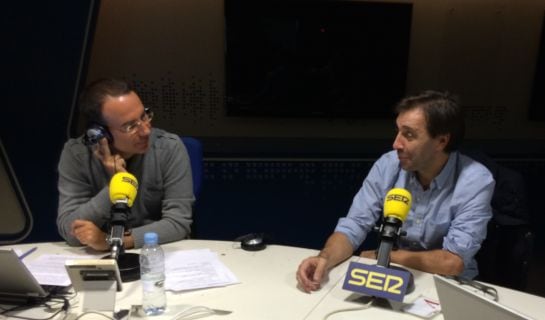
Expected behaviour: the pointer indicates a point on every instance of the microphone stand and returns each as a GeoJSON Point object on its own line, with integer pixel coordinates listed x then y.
{"type": "Point", "coordinates": [128, 263]}
{"type": "Point", "coordinates": [389, 233]}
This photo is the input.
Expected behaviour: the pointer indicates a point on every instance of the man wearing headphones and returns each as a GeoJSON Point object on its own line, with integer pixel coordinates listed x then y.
{"type": "Point", "coordinates": [119, 138]}
{"type": "Point", "coordinates": [451, 196]}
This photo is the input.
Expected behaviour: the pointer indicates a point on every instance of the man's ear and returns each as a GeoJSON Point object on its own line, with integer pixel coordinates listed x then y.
{"type": "Point", "coordinates": [443, 141]}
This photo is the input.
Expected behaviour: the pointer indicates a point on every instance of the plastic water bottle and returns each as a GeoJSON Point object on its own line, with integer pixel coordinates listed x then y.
{"type": "Point", "coordinates": [152, 275]}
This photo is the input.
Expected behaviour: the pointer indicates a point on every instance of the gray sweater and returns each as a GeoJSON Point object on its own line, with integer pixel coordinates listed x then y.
{"type": "Point", "coordinates": [165, 192]}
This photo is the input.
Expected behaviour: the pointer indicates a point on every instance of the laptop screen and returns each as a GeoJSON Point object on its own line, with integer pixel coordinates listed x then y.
{"type": "Point", "coordinates": [465, 302]}
{"type": "Point", "coordinates": [16, 280]}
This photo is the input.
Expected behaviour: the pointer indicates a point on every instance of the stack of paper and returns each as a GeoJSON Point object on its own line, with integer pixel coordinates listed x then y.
{"type": "Point", "coordinates": [196, 269]}
{"type": "Point", "coordinates": [49, 269]}
{"type": "Point", "coordinates": [185, 270]}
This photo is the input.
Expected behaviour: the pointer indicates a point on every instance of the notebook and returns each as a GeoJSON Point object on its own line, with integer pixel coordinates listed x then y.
{"type": "Point", "coordinates": [17, 284]}
{"type": "Point", "coordinates": [464, 303]}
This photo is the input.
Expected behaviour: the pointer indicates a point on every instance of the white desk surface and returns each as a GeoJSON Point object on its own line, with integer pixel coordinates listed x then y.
{"type": "Point", "coordinates": [338, 298]}
{"type": "Point", "coordinates": [268, 288]}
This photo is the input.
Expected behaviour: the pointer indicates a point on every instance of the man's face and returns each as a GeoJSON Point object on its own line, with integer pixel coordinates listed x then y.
{"type": "Point", "coordinates": [121, 113]}
{"type": "Point", "coordinates": [415, 148]}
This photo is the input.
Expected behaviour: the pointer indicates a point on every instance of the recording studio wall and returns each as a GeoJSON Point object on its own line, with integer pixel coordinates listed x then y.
{"type": "Point", "coordinates": [295, 176]}
{"type": "Point", "coordinates": [485, 51]}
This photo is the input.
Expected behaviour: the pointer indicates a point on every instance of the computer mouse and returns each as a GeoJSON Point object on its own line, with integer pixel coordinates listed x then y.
{"type": "Point", "coordinates": [253, 242]}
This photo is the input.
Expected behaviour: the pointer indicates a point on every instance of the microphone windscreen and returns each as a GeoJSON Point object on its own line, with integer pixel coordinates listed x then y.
{"type": "Point", "coordinates": [123, 186]}
{"type": "Point", "coordinates": [397, 203]}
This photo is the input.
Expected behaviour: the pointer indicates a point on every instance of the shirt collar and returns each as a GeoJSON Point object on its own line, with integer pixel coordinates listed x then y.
{"type": "Point", "coordinates": [442, 179]}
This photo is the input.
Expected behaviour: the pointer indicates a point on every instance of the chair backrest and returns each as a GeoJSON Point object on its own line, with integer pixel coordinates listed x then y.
{"type": "Point", "coordinates": [17, 219]}
{"type": "Point", "coordinates": [509, 230]}
{"type": "Point", "coordinates": [194, 149]}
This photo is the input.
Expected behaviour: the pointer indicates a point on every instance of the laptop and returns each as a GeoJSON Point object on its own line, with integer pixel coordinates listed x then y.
{"type": "Point", "coordinates": [465, 302]}
{"type": "Point", "coordinates": [17, 284]}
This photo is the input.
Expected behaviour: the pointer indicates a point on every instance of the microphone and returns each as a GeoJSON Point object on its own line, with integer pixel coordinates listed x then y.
{"type": "Point", "coordinates": [396, 207]}
{"type": "Point", "coordinates": [381, 281]}
{"type": "Point", "coordinates": [123, 189]}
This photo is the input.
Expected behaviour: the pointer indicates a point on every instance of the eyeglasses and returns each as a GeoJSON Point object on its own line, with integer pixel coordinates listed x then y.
{"type": "Point", "coordinates": [132, 128]}
{"type": "Point", "coordinates": [486, 290]}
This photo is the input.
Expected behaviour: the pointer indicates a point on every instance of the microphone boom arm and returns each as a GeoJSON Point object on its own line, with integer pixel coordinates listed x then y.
{"type": "Point", "coordinates": [389, 232]}
{"type": "Point", "coordinates": [119, 215]}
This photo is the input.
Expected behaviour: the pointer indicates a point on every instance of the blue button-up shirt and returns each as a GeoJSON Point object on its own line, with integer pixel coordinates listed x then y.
{"type": "Point", "coordinates": [452, 214]}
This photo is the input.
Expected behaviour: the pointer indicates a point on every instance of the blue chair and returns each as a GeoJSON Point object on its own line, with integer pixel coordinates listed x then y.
{"type": "Point", "coordinates": [194, 149]}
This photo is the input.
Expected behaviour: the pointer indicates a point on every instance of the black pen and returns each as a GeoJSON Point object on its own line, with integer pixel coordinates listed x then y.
{"type": "Point", "coordinates": [21, 257]}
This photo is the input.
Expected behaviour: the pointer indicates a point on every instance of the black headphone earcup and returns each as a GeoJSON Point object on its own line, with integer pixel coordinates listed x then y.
{"type": "Point", "coordinates": [95, 133]}
{"type": "Point", "coordinates": [108, 135]}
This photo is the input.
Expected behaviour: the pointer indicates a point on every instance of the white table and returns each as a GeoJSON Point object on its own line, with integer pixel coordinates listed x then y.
{"type": "Point", "coordinates": [268, 288]}
{"type": "Point", "coordinates": [338, 298]}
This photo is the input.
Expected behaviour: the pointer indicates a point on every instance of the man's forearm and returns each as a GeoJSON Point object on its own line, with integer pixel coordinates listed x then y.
{"type": "Point", "coordinates": [432, 261]}
{"type": "Point", "coordinates": [337, 249]}
{"type": "Point", "coordinates": [128, 241]}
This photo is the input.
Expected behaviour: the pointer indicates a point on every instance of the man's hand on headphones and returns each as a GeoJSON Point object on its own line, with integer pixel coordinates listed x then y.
{"type": "Point", "coordinates": [113, 163]}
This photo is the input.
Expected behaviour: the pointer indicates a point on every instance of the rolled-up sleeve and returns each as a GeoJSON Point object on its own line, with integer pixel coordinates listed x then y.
{"type": "Point", "coordinates": [367, 205]}
{"type": "Point", "coordinates": [471, 214]}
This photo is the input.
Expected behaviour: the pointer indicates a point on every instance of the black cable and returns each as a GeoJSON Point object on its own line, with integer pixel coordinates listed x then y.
{"type": "Point", "coordinates": [28, 318]}
{"type": "Point", "coordinates": [12, 309]}
{"type": "Point", "coordinates": [65, 302]}
{"type": "Point", "coordinates": [41, 302]}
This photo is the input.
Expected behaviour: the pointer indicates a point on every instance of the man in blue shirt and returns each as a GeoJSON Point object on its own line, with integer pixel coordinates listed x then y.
{"type": "Point", "coordinates": [450, 196]}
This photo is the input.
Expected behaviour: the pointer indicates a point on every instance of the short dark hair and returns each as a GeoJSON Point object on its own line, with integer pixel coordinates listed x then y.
{"type": "Point", "coordinates": [93, 96]}
{"type": "Point", "coordinates": [443, 115]}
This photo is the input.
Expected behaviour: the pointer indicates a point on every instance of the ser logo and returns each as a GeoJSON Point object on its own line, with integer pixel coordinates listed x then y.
{"type": "Point", "coordinates": [129, 180]}
{"type": "Point", "coordinates": [398, 197]}
{"type": "Point", "coordinates": [376, 281]}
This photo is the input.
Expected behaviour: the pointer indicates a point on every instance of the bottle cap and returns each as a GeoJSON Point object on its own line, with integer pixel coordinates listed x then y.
{"type": "Point", "coordinates": [151, 238]}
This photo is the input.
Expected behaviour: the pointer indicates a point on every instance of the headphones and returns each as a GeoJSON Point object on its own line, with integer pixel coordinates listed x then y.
{"type": "Point", "coordinates": [95, 133]}
{"type": "Point", "coordinates": [252, 242]}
